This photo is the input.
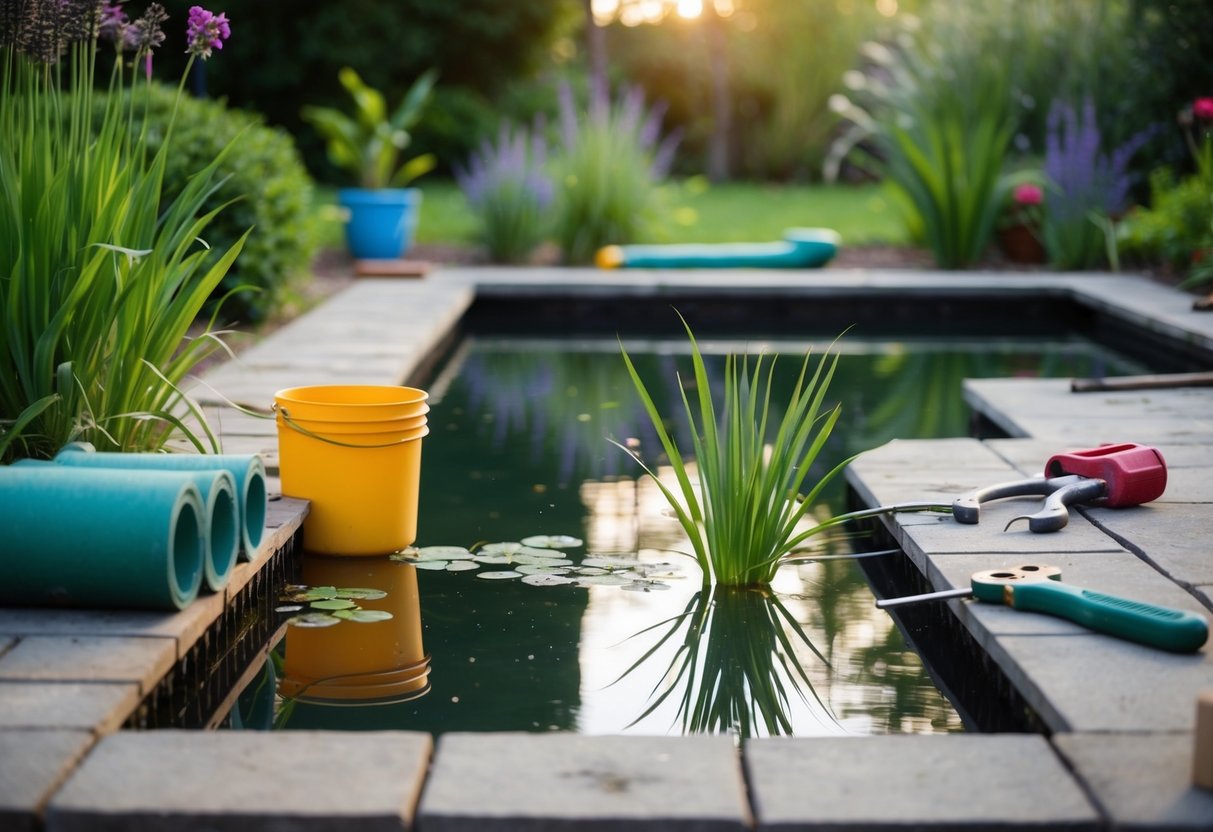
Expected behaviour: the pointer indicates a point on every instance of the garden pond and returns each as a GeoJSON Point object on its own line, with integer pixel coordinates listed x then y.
{"type": "Point", "coordinates": [548, 592]}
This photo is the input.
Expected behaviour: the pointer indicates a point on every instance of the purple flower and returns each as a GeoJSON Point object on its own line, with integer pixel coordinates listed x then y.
{"type": "Point", "coordinates": [147, 33]}
{"type": "Point", "coordinates": [114, 26]}
{"type": "Point", "coordinates": [206, 31]}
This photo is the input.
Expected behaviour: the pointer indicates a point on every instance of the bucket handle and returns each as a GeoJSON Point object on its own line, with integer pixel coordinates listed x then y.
{"type": "Point", "coordinates": [286, 417]}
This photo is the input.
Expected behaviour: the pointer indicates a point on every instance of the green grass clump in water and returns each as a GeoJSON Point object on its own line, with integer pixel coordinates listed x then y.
{"type": "Point", "coordinates": [745, 515]}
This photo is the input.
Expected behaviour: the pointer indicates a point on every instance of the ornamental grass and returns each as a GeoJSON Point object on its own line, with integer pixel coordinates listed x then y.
{"type": "Point", "coordinates": [99, 280]}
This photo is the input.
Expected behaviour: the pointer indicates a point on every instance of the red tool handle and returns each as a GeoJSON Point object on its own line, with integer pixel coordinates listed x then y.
{"type": "Point", "coordinates": [1135, 474]}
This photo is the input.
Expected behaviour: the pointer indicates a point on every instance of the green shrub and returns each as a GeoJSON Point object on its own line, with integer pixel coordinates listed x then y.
{"type": "Point", "coordinates": [937, 113]}
{"type": "Point", "coordinates": [608, 170]}
{"type": "Point", "coordinates": [267, 186]}
{"type": "Point", "coordinates": [1175, 226]}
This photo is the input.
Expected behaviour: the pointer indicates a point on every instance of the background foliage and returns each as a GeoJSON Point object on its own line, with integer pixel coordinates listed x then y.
{"type": "Point", "coordinates": [292, 53]}
{"type": "Point", "coordinates": [264, 181]}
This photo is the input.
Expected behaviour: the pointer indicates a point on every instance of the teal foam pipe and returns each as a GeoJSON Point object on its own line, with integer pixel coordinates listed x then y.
{"type": "Point", "coordinates": [99, 538]}
{"type": "Point", "coordinates": [247, 470]}
{"type": "Point", "coordinates": [801, 248]}
{"type": "Point", "coordinates": [217, 490]}
{"type": "Point", "coordinates": [220, 519]}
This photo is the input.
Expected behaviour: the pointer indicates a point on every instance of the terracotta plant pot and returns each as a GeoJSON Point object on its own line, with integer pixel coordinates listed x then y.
{"type": "Point", "coordinates": [1020, 244]}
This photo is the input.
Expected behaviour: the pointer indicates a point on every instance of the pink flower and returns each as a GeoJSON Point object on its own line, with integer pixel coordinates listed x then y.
{"type": "Point", "coordinates": [1202, 108]}
{"type": "Point", "coordinates": [1029, 194]}
{"type": "Point", "coordinates": [206, 31]}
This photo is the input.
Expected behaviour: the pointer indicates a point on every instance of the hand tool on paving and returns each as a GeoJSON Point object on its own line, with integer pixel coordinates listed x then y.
{"type": "Point", "coordinates": [1036, 587]}
{"type": "Point", "coordinates": [1114, 476]}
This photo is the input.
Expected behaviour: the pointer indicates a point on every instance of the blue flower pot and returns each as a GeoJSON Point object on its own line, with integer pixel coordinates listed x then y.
{"type": "Point", "coordinates": [381, 223]}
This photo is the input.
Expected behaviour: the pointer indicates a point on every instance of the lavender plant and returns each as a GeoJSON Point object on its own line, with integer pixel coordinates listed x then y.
{"type": "Point", "coordinates": [510, 191]}
{"type": "Point", "coordinates": [608, 170]}
{"type": "Point", "coordinates": [1087, 188]}
{"type": "Point", "coordinates": [99, 281]}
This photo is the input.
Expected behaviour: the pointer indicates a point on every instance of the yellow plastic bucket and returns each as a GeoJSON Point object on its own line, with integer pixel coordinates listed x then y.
{"type": "Point", "coordinates": [361, 476]}
{"type": "Point", "coordinates": [352, 402]}
{"type": "Point", "coordinates": [382, 660]}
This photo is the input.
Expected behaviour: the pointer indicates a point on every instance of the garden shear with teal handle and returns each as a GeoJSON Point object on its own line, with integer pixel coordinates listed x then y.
{"type": "Point", "coordinates": [1038, 588]}
{"type": "Point", "coordinates": [1114, 476]}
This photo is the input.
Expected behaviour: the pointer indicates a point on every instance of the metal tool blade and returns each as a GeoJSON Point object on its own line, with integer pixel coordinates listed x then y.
{"type": "Point", "coordinates": [885, 603]}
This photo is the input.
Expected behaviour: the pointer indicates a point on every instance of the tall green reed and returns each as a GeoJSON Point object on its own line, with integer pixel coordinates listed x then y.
{"type": "Point", "coordinates": [100, 280]}
{"type": "Point", "coordinates": [741, 505]}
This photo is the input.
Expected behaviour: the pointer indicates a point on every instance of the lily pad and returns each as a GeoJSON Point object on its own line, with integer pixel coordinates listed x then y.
{"type": "Point", "coordinates": [314, 619]}
{"type": "Point", "coordinates": [461, 566]}
{"type": "Point", "coordinates": [363, 616]}
{"type": "Point", "coordinates": [591, 570]}
{"type": "Point", "coordinates": [493, 560]}
{"type": "Point", "coordinates": [542, 561]}
{"type": "Point", "coordinates": [534, 552]}
{"type": "Point", "coordinates": [644, 586]}
{"type": "Point", "coordinates": [609, 562]}
{"type": "Point", "coordinates": [333, 604]}
{"type": "Point", "coordinates": [500, 575]}
{"type": "Point", "coordinates": [406, 555]}
{"type": "Point", "coordinates": [507, 547]}
{"type": "Point", "coordinates": [443, 553]}
{"type": "Point", "coordinates": [546, 580]}
{"type": "Point", "coordinates": [434, 565]}
{"type": "Point", "coordinates": [315, 593]}
{"type": "Point", "coordinates": [358, 593]}
{"type": "Point", "coordinates": [540, 569]}
{"type": "Point", "coordinates": [603, 580]}
{"type": "Point", "coordinates": [288, 608]}
{"type": "Point", "coordinates": [551, 541]}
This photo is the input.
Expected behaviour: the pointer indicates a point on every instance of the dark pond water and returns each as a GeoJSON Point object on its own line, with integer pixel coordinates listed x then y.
{"type": "Point", "coordinates": [519, 447]}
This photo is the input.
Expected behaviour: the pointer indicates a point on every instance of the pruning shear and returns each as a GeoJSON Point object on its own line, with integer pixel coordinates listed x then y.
{"type": "Point", "coordinates": [1036, 587]}
{"type": "Point", "coordinates": [1118, 475]}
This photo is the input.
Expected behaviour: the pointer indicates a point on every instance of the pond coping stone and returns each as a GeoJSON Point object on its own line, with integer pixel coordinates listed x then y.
{"type": "Point", "coordinates": [519, 782]}
{"type": "Point", "coordinates": [191, 781]}
{"type": "Point", "coordinates": [897, 782]}
{"type": "Point", "coordinates": [1141, 780]}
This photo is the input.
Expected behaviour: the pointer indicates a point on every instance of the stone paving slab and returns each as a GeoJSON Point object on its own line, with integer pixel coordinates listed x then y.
{"type": "Point", "coordinates": [941, 535]}
{"type": "Point", "coordinates": [142, 661]}
{"type": "Point", "coordinates": [184, 627]}
{"type": "Point", "coordinates": [1053, 413]}
{"type": "Point", "coordinates": [1174, 536]}
{"type": "Point", "coordinates": [87, 706]}
{"type": "Point", "coordinates": [189, 781]}
{"type": "Point", "coordinates": [32, 765]}
{"type": "Point", "coordinates": [519, 782]}
{"type": "Point", "coordinates": [1090, 683]}
{"type": "Point", "coordinates": [1142, 781]}
{"type": "Point", "coordinates": [898, 782]}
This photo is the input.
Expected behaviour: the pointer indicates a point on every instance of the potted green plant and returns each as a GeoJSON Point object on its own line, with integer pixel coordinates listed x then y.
{"type": "Point", "coordinates": [382, 210]}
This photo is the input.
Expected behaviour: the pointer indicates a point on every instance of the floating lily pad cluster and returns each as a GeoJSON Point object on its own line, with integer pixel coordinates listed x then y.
{"type": "Point", "coordinates": [540, 560]}
{"type": "Point", "coordinates": [329, 605]}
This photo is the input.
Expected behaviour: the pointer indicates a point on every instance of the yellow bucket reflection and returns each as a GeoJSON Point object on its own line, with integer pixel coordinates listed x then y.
{"type": "Point", "coordinates": [356, 663]}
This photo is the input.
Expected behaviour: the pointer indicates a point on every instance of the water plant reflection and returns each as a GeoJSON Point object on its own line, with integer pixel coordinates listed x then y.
{"type": "Point", "coordinates": [808, 658]}
{"type": "Point", "coordinates": [735, 668]}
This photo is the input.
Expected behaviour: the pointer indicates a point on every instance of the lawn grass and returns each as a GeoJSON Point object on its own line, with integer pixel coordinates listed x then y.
{"type": "Point", "coordinates": [757, 212]}
{"type": "Point", "coordinates": [692, 211]}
